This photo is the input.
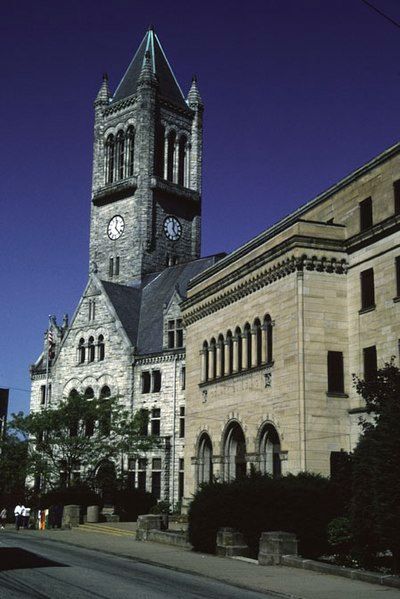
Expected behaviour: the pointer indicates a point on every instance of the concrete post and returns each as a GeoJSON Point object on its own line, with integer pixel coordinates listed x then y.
{"type": "Point", "coordinates": [273, 545]}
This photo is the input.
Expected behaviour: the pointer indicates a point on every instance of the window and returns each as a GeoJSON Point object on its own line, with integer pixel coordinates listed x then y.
{"type": "Point", "coordinates": [89, 427]}
{"type": "Point", "coordinates": [170, 156]}
{"type": "Point", "coordinates": [120, 154]}
{"type": "Point", "coordinates": [229, 351]}
{"type": "Point", "coordinates": [221, 351]}
{"type": "Point", "coordinates": [213, 359]}
{"type": "Point", "coordinates": [175, 333]}
{"type": "Point", "coordinates": [181, 478]}
{"type": "Point", "coordinates": [92, 309]}
{"type": "Point", "coordinates": [183, 378]}
{"type": "Point", "coordinates": [367, 289]}
{"type": "Point", "coordinates": [247, 336]}
{"type": "Point", "coordinates": [101, 347]}
{"type": "Point", "coordinates": [144, 419]}
{"type": "Point", "coordinates": [91, 349]}
{"type": "Point", "coordinates": [89, 393]}
{"type": "Point", "coordinates": [110, 153]}
{"type": "Point", "coordinates": [111, 267]}
{"type": "Point", "coordinates": [131, 472]}
{"type": "Point", "coordinates": [159, 151]}
{"type": "Point", "coordinates": [396, 190]}
{"type": "Point", "coordinates": [182, 160]}
{"type": "Point", "coordinates": [155, 421]}
{"type": "Point", "coordinates": [105, 392]}
{"type": "Point", "coordinates": [116, 271]}
{"type": "Point", "coordinates": [131, 150]}
{"type": "Point", "coordinates": [142, 465]}
{"type": "Point", "coordinates": [370, 362]}
{"type": "Point", "coordinates": [156, 477]}
{"type": "Point", "coordinates": [269, 338]}
{"type": "Point", "coordinates": [397, 276]}
{"type": "Point", "coordinates": [105, 417]}
{"type": "Point", "coordinates": [181, 422]}
{"type": "Point", "coordinates": [257, 332]}
{"type": "Point", "coordinates": [81, 351]}
{"type": "Point", "coordinates": [335, 372]}
{"type": "Point", "coordinates": [43, 395]}
{"type": "Point", "coordinates": [365, 214]}
{"type": "Point", "coordinates": [156, 380]}
{"type": "Point", "coordinates": [146, 381]}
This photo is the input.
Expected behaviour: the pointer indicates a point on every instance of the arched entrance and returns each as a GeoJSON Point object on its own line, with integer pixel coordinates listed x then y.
{"type": "Point", "coordinates": [234, 452]}
{"type": "Point", "coordinates": [106, 478]}
{"type": "Point", "coordinates": [270, 451]}
{"type": "Point", "coordinates": [204, 472]}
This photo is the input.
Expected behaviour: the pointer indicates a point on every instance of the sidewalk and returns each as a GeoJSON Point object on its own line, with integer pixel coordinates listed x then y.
{"type": "Point", "coordinates": [119, 539]}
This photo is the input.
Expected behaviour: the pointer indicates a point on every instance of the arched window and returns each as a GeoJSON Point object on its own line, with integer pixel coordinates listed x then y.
{"type": "Point", "coordinates": [270, 448]}
{"type": "Point", "coordinates": [171, 155]}
{"type": "Point", "coordinates": [239, 349]}
{"type": "Point", "coordinates": [120, 152]}
{"type": "Point", "coordinates": [204, 364]}
{"type": "Point", "coordinates": [89, 393]}
{"type": "Point", "coordinates": [221, 356]}
{"type": "Point", "coordinates": [229, 353]}
{"type": "Point", "coordinates": [247, 340]}
{"type": "Point", "coordinates": [81, 351]}
{"type": "Point", "coordinates": [91, 349]}
{"type": "Point", "coordinates": [73, 393]}
{"type": "Point", "coordinates": [268, 338]}
{"type": "Point", "coordinates": [130, 138]}
{"type": "Point", "coordinates": [258, 341]}
{"type": "Point", "coordinates": [205, 469]}
{"type": "Point", "coordinates": [101, 347]}
{"type": "Point", "coordinates": [182, 160]}
{"type": "Point", "coordinates": [110, 159]}
{"type": "Point", "coordinates": [105, 419]}
{"type": "Point", "coordinates": [234, 452]}
{"type": "Point", "coordinates": [212, 364]}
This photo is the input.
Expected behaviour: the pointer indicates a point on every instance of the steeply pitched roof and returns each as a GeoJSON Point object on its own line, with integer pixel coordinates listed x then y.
{"type": "Point", "coordinates": [141, 308]}
{"type": "Point", "coordinates": [168, 85]}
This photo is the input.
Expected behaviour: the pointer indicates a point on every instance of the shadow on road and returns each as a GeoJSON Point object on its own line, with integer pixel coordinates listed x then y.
{"type": "Point", "coordinates": [13, 558]}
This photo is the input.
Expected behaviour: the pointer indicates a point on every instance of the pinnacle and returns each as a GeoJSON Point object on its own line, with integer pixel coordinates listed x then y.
{"type": "Point", "coordinates": [194, 98]}
{"type": "Point", "coordinates": [104, 94]}
{"type": "Point", "coordinates": [147, 74]}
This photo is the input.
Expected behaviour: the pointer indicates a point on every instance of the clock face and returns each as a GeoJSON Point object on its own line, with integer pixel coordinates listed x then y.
{"type": "Point", "coordinates": [115, 227]}
{"type": "Point", "coordinates": [172, 228]}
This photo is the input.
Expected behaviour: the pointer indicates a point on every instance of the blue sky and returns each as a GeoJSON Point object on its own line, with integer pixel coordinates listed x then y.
{"type": "Point", "coordinates": [297, 94]}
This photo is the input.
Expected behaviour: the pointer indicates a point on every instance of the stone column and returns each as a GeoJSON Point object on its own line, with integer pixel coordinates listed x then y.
{"type": "Point", "coordinates": [203, 357]}
{"type": "Point", "coordinates": [253, 347]}
{"type": "Point", "coordinates": [219, 361]}
{"type": "Point", "coordinates": [245, 342]}
{"type": "Point", "coordinates": [211, 362]}
{"type": "Point", "coordinates": [264, 343]}
{"type": "Point", "coordinates": [235, 349]}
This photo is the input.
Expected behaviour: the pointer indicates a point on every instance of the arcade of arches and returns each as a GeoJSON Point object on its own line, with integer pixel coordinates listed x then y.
{"type": "Point", "coordinates": [234, 459]}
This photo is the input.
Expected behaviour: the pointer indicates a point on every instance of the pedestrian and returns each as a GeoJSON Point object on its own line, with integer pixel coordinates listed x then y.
{"type": "Point", "coordinates": [18, 515]}
{"type": "Point", "coordinates": [3, 518]}
{"type": "Point", "coordinates": [25, 516]}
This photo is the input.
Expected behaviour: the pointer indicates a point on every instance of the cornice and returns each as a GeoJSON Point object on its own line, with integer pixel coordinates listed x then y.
{"type": "Point", "coordinates": [157, 358]}
{"type": "Point", "coordinates": [113, 108]}
{"type": "Point", "coordinates": [192, 311]}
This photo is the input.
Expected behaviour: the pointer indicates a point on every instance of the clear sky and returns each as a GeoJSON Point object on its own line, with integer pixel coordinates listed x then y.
{"type": "Point", "coordinates": [297, 94]}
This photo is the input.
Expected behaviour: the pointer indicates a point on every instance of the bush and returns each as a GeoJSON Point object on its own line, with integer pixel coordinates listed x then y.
{"type": "Point", "coordinates": [77, 495]}
{"type": "Point", "coordinates": [301, 504]}
{"type": "Point", "coordinates": [130, 503]}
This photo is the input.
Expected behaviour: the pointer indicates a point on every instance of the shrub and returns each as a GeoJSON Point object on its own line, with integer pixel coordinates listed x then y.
{"type": "Point", "coordinates": [130, 503]}
{"type": "Point", "coordinates": [300, 504]}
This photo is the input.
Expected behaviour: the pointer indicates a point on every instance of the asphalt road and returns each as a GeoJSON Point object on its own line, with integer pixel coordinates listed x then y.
{"type": "Point", "coordinates": [39, 569]}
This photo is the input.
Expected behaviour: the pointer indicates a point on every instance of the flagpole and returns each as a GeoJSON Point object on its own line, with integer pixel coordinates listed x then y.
{"type": "Point", "coordinates": [46, 396]}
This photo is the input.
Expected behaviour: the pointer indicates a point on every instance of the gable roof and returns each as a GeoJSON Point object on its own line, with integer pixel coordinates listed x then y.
{"type": "Point", "coordinates": [168, 85]}
{"type": "Point", "coordinates": [126, 302]}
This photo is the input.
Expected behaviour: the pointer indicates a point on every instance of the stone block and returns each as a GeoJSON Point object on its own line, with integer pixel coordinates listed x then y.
{"type": "Point", "coordinates": [92, 514]}
{"type": "Point", "coordinates": [230, 542]}
{"type": "Point", "coordinates": [147, 522]}
{"type": "Point", "coordinates": [71, 516]}
{"type": "Point", "coordinates": [274, 545]}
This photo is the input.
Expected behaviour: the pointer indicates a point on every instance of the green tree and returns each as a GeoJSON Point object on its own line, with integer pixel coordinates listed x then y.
{"type": "Point", "coordinates": [376, 468]}
{"type": "Point", "coordinates": [13, 466]}
{"type": "Point", "coordinates": [79, 434]}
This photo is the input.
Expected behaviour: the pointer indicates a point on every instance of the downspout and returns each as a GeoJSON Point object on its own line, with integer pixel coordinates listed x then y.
{"type": "Point", "coordinates": [173, 436]}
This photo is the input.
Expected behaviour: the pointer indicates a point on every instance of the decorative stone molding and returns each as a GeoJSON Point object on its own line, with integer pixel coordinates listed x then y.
{"type": "Point", "coordinates": [159, 358]}
{"type": "Point", "coordinates": [257, 282]}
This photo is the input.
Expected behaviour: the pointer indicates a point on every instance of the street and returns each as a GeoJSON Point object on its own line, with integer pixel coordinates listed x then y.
{"type": "Point", "coordinates": [38, 569]}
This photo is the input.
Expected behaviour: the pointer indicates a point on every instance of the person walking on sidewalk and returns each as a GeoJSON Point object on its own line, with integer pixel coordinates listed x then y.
{"type": "Point", "coordinates": [26, 513]}
{"type": "Point", "coordinates": [18, 515]}
{"type": "Point", "coordinates": [3, 518]}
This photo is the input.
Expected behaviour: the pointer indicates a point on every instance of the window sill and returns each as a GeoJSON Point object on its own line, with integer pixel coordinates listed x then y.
{"type": "Point", "coordinates": [369, 309]}
{"type": "Point", "coordinates": [234, 375]}
{"type": "Point", "coordinates": [336, 394]}
{"type": "Point", "coordinates": [396, 299]}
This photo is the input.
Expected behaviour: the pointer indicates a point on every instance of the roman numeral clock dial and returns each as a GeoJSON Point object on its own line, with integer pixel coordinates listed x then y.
{"type": "Point", "coordinates": [115, 227]}
{"type": "Point", "coordinates": [172, 228]}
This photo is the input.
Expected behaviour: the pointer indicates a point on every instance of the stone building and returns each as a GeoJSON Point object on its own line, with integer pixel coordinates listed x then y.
{"type": "Point", "coordinates": [126, 337]}
{"type": "Point", "coordinates": [275, 330]}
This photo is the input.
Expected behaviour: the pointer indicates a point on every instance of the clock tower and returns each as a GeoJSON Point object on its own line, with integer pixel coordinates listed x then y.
{"type": "Point", "coordinates": [146, 201]}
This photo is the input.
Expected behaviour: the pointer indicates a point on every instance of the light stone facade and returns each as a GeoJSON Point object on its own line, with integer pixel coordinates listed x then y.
{"type": "Point", "coordinates": [276, 413]}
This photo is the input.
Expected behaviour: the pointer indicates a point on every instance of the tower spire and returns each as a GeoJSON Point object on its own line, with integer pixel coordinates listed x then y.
{"type": "Point", "coordinates": [104, 94]}
{"type": "Point", "coordinates": [147, 74]}
{"type": "Point", "coordinates": [194, 99]}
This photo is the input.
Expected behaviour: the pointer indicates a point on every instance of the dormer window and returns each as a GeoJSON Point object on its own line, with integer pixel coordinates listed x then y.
{"type": "Point", "coordinates": [175, 333]}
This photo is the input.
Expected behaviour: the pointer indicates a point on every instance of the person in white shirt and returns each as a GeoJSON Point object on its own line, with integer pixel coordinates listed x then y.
{"type": "Point", "coordinates": [18, 515]}
{"type": "Point", "coordinates": [25, 516]}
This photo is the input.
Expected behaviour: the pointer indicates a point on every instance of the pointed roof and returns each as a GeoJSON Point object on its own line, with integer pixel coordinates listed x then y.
{"type": "Point", "coordinates": [168, 85]}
